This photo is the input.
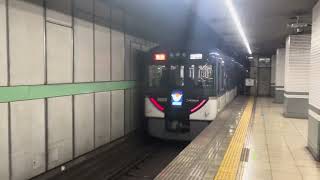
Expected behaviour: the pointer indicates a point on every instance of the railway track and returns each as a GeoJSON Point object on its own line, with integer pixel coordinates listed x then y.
{"type": "Point", "coordinates": [135, 158]}
{"type": "Point", "coordinates": [154, 162]}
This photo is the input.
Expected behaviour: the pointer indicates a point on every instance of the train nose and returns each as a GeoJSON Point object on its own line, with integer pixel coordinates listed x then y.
{"type": "Point", "coordinates": [177, 121]}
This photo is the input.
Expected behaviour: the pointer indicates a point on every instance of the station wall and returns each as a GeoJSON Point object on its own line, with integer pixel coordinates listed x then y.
{"type": "Point", "coordinates": [67, 77]}
{"type": "Point", "coordinates": [279, 87]}
{"type": "Point", "coordinates": [314, 96]}
{"type": "Point", "coordinates": [297, 65]}
{"type": "Point", "coordinates": [273, 74]}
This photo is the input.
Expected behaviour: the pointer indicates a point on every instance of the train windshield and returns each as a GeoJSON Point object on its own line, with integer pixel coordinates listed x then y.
{"type": "Point", "coordinates": [200, 76]}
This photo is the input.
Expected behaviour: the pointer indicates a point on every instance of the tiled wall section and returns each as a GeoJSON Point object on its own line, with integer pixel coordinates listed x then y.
{"type": "Point", "coordinates": [314, 96]}
{"type": "Point", "coordinates": [315, 59]}
{"type": "Point", "coordinates": [280, 61]}
{"type": "Point", "coordinates": [51, 46]}
{"type": "Point", "coordinates": [273, 69]}
{"type": "Point", "coordinates": [297, 63]}
{"type": "Point", "coordinates": [297, 68]}
{"type": "Point", "coordinates": [273, 74]}
{"type": "Point", "coordinates": [279, 76]}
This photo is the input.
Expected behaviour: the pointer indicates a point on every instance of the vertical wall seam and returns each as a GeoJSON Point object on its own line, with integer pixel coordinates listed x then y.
{"type": "Point", "coordinates": [45, 42]}
{"type": "Point", "coordinates": [8, 42]}
{"type": "Point", "coordinates": [45, 82]}
{"type": "Point", "coordinates": [8, 83]}
{"type": "Point", "coordinates": [94, 69]}
{"type": "Point", "coordinates": [124, 70]}
{"type": "Point", "coordinates": [46, 134]}
{"type": "Point", "coordinates": [108, 23]}
{"type": "Point", "coordinates": [10, 141]}
{"type": "Point", "coordinates": [111, 59]}
{"type": "Point", "coordinates": [73, 129]}
{"type": "Point", "coordinates": [73, 78]}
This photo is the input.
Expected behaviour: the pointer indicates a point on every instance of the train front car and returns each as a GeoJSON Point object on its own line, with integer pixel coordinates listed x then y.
{"type": "Point", "coordinates": [182, 92]}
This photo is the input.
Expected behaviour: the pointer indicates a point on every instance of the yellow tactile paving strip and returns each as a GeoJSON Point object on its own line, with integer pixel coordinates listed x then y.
{"type": "Point", "coordinates": [231, 160]}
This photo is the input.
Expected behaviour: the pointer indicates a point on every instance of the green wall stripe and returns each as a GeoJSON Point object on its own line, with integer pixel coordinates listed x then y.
{"type": "Point", "coordinates": [22, 93]}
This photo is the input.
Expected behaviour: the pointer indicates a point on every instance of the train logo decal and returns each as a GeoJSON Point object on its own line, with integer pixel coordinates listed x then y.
{"type": "Point", "coordinates": [176, 98]}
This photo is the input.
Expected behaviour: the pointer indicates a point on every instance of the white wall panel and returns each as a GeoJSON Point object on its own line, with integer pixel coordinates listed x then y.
{"type": "Point", "coordinates": [135, 111]}
{"type": "Point", "coordinates": [134, 60]}
{"type": "Point", "coordinates": [26, 24]}
{"type": "Point", "coordinates": [84, 136]}
{"type": "Point", "coordinates": [117, 51]}
{"type": "Point", "coordinates": [273, 69]}
{"type": "Point", "coordinates": [127, 111]}
{"type": "Point", "coordinates": [59, 54]}
{"type": "Point", "coordinates": [280, 62]}
{"type": "Point", "coordinates": [127, 60]}
{"type": "Point", "coordinates": [59, 11]}
{"type": "Point", "coordinates": [28, 138]}
{"type": "Point", "coordinates": [4, 142]}
{"type": "Point", "coordinates": [117, 114]}
{"type": "Point", "coordinates": [314, 98]}
{"type": "Point", "coordinates": [3, 44]}
{"type": "Point", "coordinates": [102, 118]}
{"type": "Point", "coordinates": [102, 53]}
{"type": "Point", "coordinates": [83, 42]}
{"type": "Point", "coordinates": [59, 130]}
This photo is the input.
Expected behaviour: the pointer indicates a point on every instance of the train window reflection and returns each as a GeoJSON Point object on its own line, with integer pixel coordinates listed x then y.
{"type": "Point", "coordinates": [201, 75]}
{"type": "Point", "coordinates": [162, 76]}
{"type": "Point", "coordinates": [156, 74]}
{"type": "Point", "coordinates": [176, 76]}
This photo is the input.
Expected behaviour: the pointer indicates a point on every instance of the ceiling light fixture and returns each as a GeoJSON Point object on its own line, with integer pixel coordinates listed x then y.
{"type": "Point", "coordinates": [238, 24]}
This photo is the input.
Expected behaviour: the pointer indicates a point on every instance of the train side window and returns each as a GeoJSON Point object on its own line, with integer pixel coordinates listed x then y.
{"type": "Point", "coordinates": [221, 78]}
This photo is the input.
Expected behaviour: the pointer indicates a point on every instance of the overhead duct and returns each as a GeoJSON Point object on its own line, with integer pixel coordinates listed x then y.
{"type": "Point", "coordinates": [299, 27]}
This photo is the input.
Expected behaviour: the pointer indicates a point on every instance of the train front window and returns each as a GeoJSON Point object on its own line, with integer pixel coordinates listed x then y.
{"type": "Point", "coordinates": [176, 75]}
{"type": "Point", "coordinates": [201, 75]}
{"type": "Point", "coordinates": [164, 76]}
{"type": "Point", "coordinates": [198, 76]}
{"type": "Point", "coordinates": [156, 75]}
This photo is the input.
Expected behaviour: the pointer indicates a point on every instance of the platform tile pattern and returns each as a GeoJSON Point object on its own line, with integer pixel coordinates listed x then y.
{"type": "Point", "coordinates": [201, 159]}
{"type": "Point", "coordinates": [278, 147]}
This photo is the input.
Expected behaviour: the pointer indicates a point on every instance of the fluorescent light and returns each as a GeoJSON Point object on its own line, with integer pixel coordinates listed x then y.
{"type": "Point", "coordinates": [238, 24]}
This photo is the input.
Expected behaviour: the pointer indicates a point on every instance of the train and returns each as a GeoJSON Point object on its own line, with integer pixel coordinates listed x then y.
{"type": "Point", "coordinates": [184, 90]}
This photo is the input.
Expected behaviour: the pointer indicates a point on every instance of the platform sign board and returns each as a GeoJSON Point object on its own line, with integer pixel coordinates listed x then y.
{"type": "Point", "coordinates": [250, 82]}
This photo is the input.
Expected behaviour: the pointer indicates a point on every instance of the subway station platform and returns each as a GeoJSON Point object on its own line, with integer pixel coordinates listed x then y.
{"type": "Point", "coordinates": [250, 140]}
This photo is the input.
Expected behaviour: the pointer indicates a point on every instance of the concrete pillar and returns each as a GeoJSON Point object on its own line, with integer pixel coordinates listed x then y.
{"type": "Point", "coordinates": [297, 61]}
{"type": "Point", "coordinates": [273, 75]}
{"type": "Point", "coordinates": [314, 97]}
{"type": "Point", "coordinates": [279, 78]}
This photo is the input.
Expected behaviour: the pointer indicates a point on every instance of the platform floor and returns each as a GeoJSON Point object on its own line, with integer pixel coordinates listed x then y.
{"type": "Point", "coordinates": [272, 148]}
{"type": "Point", "coordinates": [278, 146]}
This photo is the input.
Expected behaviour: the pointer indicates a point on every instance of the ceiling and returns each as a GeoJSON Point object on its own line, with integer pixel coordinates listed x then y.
{"type": "Point", "coordinates": [264, 21]}
{"type": "Point", "coordinates": [174, 21]}
{"type": "Point", "coordinates": [204, 23]}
